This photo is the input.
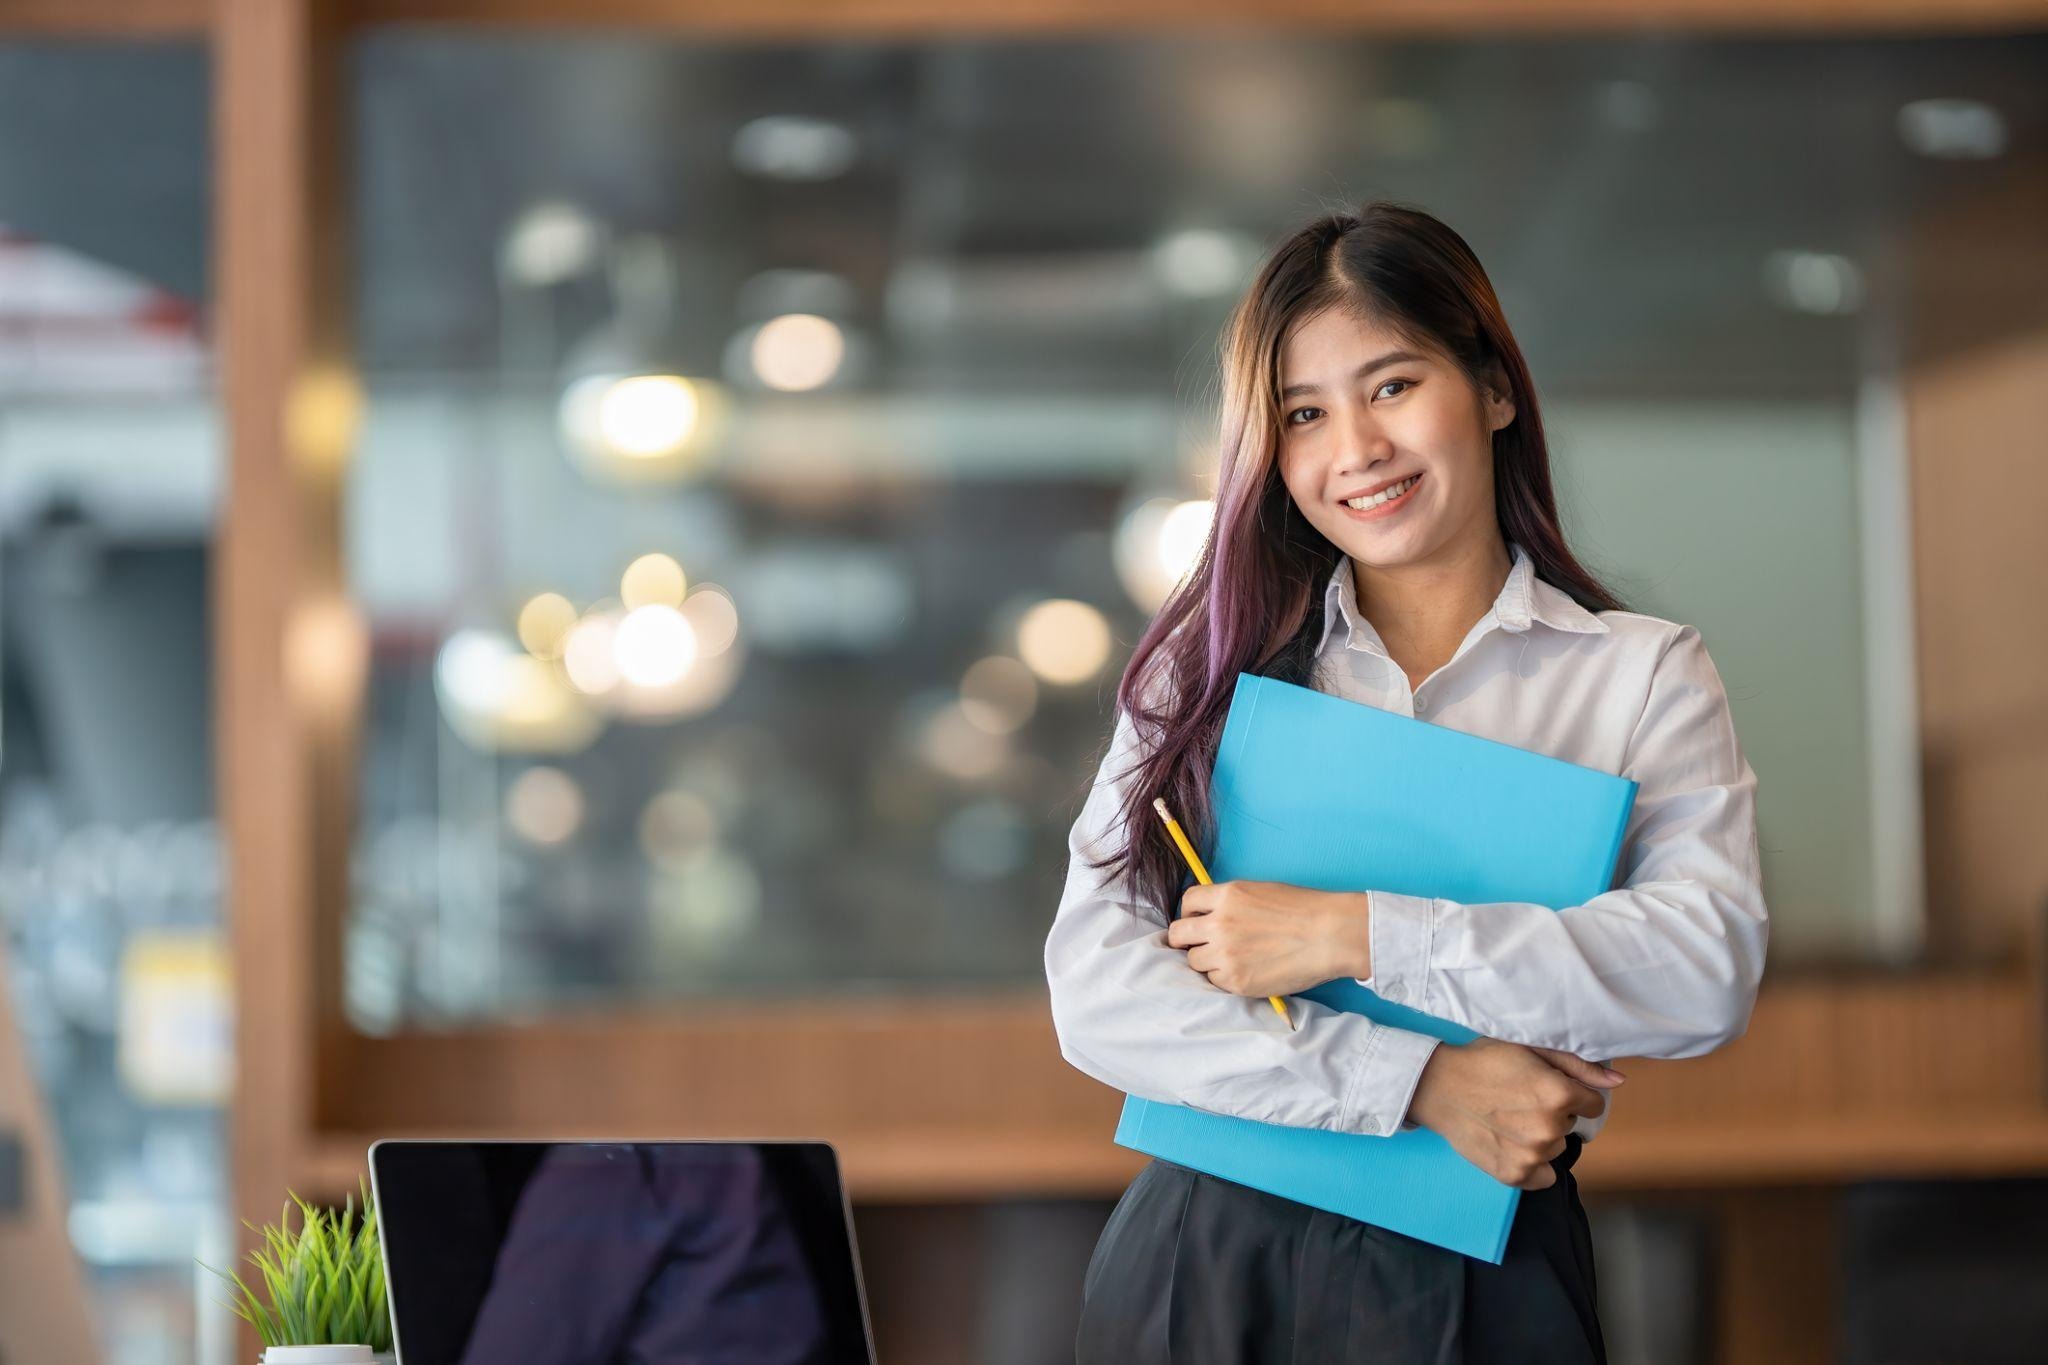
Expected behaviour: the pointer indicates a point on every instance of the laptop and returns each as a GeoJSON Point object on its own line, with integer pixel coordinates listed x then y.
{"type": "Point", "coordinates": [619, 1253]}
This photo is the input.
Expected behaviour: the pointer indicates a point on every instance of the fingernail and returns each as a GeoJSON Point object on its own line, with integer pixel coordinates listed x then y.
{"type": "Point", "coordinates": [1612, 1074]}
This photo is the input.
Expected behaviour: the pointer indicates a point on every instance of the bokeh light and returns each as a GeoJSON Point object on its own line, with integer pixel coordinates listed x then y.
{"type": "Point", "coordinates": [647, 414]}
{"type": "Point", "coordinates": [1158, 544]}
{"type": "Point", "coordinates": [712, 613]}
{"type": "Point", "coordinates": [496, 696]}
{"type": "Point", "coordinates": [543, 623]}
{"type": "Point", "coordinates": [956, 746]}
{"type": "Point", "coordinates": [794, 147]}
{"type": "Point", "coordinates": [469, 671]}
{"type": "Point", "coordinates": [708, 681]}
{"type": "Point", "coordinates": [652, 580]}
{"type": "Point", "coordinates": [587, 654]}
{"type": "Point", "coordinates": [640, 428]}
{"type": "Point", "coordinates": [326, 654]}
{"type": "Point", "coordinates": [544, 805]}
{"type": "Point", "coordinates": [550, 242]}
{"type": "Point", "coordinates": [323, 416]}
{"type": "Point", "coordinates": [1063, 641]}
{"type": "Point", "coordinates": [1202, 261]}
{"type": "Point", "coordinates": [797, 351]}
{"type": "Point", "coordinates": [998, 694]}
{"type": "Point", "coordinates": [703, 905]}
{"type": "Point", "coordinates": [654, 646]}
{"type": "Point", "coordinates": [675, 826]}
{"type": "Point", "coordinates": [1182, 535]}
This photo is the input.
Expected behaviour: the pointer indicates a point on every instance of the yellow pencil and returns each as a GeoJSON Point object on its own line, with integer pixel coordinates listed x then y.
{"type": "Point", "coordinates": [1187, 850]}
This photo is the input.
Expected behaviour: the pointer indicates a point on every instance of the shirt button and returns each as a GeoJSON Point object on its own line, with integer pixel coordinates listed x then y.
{"type": "Point", "coordinates": [1392, 992]}
{"type": "Point", "coordinates": [1421, 702]}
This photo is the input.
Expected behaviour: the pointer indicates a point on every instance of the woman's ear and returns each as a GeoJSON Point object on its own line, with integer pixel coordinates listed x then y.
{"type": "Point", "coordinates": [1500, 402]}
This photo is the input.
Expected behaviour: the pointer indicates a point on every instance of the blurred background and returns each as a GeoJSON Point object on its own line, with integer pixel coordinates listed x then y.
{"type": "Point", "coordinates": [563, 570]}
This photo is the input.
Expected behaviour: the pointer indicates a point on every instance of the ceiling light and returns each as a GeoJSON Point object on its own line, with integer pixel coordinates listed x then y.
{"type": "Point", "coordinates": [794, 147]}
{"type": "Point", "coordinates": [1952, 129]}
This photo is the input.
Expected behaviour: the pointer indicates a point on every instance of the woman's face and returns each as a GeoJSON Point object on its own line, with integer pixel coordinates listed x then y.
{"type": "Point", "coordinates": [1371, 414]}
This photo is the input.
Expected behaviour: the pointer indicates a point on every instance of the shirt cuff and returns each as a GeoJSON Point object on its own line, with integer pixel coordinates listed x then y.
{"type": "Point", "coordinates": [1403, 933]}
{"type": "Point", "coordinates": [1385, 1084]}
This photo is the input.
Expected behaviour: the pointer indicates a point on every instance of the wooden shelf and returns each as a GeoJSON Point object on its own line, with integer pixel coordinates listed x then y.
{"type": "Point", "coordinates": [938, 1168]}
{"type": "Point", "coordinates": [1837, 1079]}
{"type": "Point", "coordinates": [1757, 1152]}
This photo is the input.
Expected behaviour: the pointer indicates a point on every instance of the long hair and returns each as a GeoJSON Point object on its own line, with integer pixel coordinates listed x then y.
{"type": "Point", "coordinates": [1253, 602]}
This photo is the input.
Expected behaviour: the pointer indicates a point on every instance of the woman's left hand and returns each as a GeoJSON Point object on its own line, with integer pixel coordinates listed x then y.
{"type": "Point", "coordinates": [1270, 938]}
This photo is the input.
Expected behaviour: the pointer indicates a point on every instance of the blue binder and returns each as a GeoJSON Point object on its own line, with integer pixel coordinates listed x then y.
{"type": "Point", "coordinates": [1320, 791]}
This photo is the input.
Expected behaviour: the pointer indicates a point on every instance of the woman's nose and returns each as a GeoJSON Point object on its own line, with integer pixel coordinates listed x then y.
{"type": "Point", "coordinates": [1363, 453]}
{"type": "Point", "coordinates": [1361, 445]}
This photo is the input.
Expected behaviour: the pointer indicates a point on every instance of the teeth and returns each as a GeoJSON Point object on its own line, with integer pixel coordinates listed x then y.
{"type": "Point", "coordinates": [1384, 495]}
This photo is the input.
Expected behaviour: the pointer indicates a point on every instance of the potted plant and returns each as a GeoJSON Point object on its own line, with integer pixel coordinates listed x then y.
{"type": "Point", "coordinates": [323, 1287]}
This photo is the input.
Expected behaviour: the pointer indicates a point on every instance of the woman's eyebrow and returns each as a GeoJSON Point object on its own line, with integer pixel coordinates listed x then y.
{"type": "Point", "coordinates": [1390, 358]}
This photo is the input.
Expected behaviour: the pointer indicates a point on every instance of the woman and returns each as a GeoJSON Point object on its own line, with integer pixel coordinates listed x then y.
{"type": "Point", "coordinates": [1386, 531]}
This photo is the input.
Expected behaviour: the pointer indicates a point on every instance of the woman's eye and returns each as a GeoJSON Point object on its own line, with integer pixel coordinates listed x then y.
{"type": "Point", "coordinates": [1406, 384]}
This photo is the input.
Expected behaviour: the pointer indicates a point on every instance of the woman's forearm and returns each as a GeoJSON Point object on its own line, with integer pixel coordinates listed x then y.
{"type": "Point", "coordinates": [1350, 933]}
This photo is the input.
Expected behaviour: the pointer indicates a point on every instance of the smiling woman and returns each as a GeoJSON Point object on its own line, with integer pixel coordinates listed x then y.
{"type": "Point", "coordinates": [1342, 300]}
{"type": "Point", "coordinates": [1385, 519]}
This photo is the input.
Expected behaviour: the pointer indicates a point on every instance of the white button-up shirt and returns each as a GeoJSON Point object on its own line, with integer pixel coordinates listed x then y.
{"type": "Point", "coordinates": [1664, 965]}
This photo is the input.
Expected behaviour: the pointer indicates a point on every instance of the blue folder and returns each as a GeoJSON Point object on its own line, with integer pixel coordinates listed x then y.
{"type": "Point", "coordinates": [1320, 791]}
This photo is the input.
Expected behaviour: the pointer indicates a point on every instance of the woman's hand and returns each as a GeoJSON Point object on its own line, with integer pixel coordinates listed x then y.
{"type": "Point", "coordinates": [1506, 1108]}
{"type": "Point", "coordinates": [1269, 938]}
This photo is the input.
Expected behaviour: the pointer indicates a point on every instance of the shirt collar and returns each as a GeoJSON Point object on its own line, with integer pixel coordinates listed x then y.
{"type": "Point", "coordinates": [1523, 599]}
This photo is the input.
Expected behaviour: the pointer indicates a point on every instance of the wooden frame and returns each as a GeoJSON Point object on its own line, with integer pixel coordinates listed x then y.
{"type": "Point", "coordinates": [289, 689]}
{"type": "Point", "coordinates": [106, 18]}
{"type": "Point", "coordinates": [869, 18]}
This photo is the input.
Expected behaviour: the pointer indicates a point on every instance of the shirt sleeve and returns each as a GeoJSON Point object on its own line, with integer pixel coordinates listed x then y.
{"type": "Point", "coordinates": [1131, 1013]}
{"type": "Point", "coordinates": [1666, 965]}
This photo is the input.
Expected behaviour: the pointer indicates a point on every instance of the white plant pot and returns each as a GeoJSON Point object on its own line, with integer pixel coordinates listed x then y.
{"type": "Point", "coordinates": [324, 1355]}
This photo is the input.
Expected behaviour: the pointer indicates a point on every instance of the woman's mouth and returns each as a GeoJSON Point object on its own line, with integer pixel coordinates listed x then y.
{"type": "Point", "coordinates": [1365, 509]}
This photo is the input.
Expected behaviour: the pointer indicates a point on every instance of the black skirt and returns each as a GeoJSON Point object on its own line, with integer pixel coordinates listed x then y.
{"type": "Point", "coordinates": [1200, 1271]}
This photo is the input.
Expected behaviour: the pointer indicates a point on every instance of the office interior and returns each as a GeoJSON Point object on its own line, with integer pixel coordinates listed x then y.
{"type": "Point", "coordinates": [368, 366]}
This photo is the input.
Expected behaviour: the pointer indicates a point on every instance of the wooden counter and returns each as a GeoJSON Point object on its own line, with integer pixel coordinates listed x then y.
{"type": "Point", "coordinates": [1839, 1078]}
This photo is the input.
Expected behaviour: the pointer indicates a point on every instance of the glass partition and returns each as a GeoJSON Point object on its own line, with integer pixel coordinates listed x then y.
{"type": "Point", "coordinates": [774, 450]}
{"type": "Point", "coordinates": [110, 859]}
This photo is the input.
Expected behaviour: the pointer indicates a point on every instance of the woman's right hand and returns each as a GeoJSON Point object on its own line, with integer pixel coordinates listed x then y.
{"type": "Point", "coordinates": [1506, 1108]}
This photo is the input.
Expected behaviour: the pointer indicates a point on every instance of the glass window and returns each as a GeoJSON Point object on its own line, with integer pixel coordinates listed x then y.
{"type": "Point", "coordinates": [774, 451]}
{"type": "Point", "coordinates": [110, 859]}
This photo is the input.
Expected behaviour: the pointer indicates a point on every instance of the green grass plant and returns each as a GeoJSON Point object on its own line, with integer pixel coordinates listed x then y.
{"type": "Point", "coordinates": [323, 1285]}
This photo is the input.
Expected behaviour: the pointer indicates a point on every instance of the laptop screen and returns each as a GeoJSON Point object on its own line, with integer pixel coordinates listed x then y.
{"type": "Point", "coordinates": [628, 1253]}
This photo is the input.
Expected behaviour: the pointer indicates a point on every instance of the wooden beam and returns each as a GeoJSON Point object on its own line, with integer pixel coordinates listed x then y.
{"type": "Point", "coordinates": [1976, 368]}
{"type": "Point", "coordinates": [119, 19]}
{"type": "Point", "coordinates": [826, 18]}
{"type": "Point", "coordinates": [287, 657]}
{"type": "Point", "coordinates": [1422, 18]}
{"type": "Point", "coordinates": [970, 1165]}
